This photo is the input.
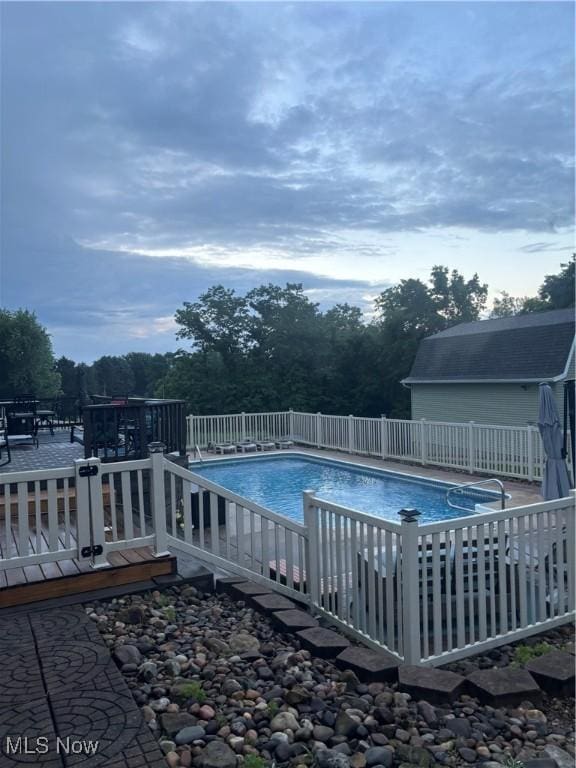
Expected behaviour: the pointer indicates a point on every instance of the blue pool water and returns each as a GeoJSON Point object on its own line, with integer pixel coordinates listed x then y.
{"type": "Point", "coordinates": [277, 483]}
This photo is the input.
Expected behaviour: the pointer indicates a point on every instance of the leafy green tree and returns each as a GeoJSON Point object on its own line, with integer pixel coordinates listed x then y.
{"type": "Point", "coordinates": [557, 291]}
{"type": "Point", "coordinates": [68, 371]}
{"type": "Point", "coordinates": [147, 371]}
{"type": "Point", "coordinates": [218, 322]}
{"type": "Point", "coordinates": [412, 310]}
{"type": "Point", "coordinates": [506, 305]}
{"type": "Point", "coordinates": [27, 364]}
{"type": "Point", "coordinates": [111, 376]}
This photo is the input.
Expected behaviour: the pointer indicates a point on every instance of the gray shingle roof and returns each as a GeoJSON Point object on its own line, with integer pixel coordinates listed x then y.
{"type": "Point", "coordinates": [520, 348]}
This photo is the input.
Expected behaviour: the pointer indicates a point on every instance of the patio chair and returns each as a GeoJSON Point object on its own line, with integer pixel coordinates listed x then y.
{"type": "Point", "coordinates": [4, 445]}
{"type": "Point", "coordinates": [284, 442]}
{"type": "Point", "coordinates": [447, 563]}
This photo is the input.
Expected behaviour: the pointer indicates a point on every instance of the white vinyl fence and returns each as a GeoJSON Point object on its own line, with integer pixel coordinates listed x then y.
{"type": "Point", "coordinates": [481, 448]}
{"type": "Point", "coordinates": [426, 593]}
{"type": "Point", "coordinates": [234, 533]}
{"type": "Point", "coordinates": [441, 591]}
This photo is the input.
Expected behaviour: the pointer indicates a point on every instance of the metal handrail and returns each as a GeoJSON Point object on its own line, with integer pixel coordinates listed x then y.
{"type": "Point", "coordinates": [471, 485]}
{"type": "Point", "coordinates": [197, 451]}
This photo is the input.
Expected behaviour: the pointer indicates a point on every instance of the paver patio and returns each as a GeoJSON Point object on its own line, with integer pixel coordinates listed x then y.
{"type": "Point", "coordinates": [59, 683]}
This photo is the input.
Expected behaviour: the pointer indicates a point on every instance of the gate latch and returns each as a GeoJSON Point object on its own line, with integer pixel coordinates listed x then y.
{"type": "Point", "coordinates": [91, 551]}
{"type": "Point", "coordinates": [88, 471]}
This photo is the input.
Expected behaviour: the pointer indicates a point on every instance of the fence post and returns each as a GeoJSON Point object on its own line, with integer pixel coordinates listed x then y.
{"type": "Point", "coordinates": [290, 424]}
{"type": "Point", "coordinates": [318, 430]}
{"type": "Point", "coordinates": [423, 436]}
{"type": "Point", "coordinates": [471, 448]}
{"type": "Point", "coordinates": [90, 510]}
{"type": "Point", "coordinates": [311, 555]}
{"type": "Point", "coordinates": [190, 442]}
{"type": "Point", "coordinates": [383, 436]}
{"type": "Point", "coordinates": [158, 497]}
{"type": "Point", "coordinates": [243, 425]}
{"type": "Point", "coordinates": [350, 434]}
{"type": "Point", "coordinates": [410, 576]}
{"type": "Point", "coordinates": [530, 453]}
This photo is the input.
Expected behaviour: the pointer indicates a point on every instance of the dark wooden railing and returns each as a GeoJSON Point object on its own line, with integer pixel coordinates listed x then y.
{"type": "Point", "coordinates": [122, 429]}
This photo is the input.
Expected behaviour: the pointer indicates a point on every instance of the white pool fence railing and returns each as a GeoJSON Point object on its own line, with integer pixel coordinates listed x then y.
{"type": "Point", "coordinates": [427, 593]}
{"type": "Point", "coordinates": [508, 451]}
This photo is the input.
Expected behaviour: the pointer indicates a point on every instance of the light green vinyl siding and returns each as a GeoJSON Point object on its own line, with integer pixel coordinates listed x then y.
{"type": "Point", "coordinates": [509, 404]}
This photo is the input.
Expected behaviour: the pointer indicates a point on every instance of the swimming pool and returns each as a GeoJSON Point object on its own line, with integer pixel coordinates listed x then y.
{"type": "Point", "coordinates": [277, 483]}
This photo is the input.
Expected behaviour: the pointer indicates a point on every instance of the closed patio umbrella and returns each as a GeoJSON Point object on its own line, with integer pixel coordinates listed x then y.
{"type": "Point", "coordinates": [556, 483]}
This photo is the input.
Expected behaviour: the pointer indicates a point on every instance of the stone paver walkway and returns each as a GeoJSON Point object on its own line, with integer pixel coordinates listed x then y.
{"type": "Point", "coordinates": [63, 702]}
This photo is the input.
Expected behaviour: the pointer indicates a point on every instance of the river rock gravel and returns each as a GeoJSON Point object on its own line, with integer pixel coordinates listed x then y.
{"type": "Point", "coordinates": [220, 688]}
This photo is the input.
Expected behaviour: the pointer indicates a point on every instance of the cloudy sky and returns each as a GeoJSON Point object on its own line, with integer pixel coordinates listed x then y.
{"type": "Point", "coordinates": [150, 150]}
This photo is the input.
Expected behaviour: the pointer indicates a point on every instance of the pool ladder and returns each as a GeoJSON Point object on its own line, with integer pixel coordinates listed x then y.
{"type": "Point", "coordinates": [197, 451]}
{"type": "Point", "coordinates": [460, 489]}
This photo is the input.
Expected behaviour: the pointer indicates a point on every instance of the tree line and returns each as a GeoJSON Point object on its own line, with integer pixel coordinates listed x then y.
{"type": "Point", "coordinates": [273, 348]}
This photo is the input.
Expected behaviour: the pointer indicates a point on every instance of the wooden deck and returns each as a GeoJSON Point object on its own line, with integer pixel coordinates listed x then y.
{"type": "Point", "coordinates": [20, 585]}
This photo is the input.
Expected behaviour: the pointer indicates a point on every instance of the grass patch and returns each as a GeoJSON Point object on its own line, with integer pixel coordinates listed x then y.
{"type": "Point", "coordinates": [170, 613]}
{"type": "Point", "coordinates": [525, 653]}
{"type": "Point", "coordinates": [273, 709]}
{"type": "Point", "coordinates": [254, 761]}
{"type": "Point", "coordinates": [192, 690]}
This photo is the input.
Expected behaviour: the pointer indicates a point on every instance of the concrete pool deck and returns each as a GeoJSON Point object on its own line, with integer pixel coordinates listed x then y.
{"type": "Point", "coordinates": [520, 492]}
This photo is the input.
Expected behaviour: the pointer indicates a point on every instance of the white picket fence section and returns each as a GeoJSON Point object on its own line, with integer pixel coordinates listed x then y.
{"type": "Point", "coordinates": [234, 533]}
{"type": "Point", "coordinates": [426, 593]}
{"type": "Point", "coordinates": [476, 448]}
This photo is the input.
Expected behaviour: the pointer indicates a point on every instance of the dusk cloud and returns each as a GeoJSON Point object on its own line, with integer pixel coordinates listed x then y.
{"type": "Point", "coordinates": [151, 150]}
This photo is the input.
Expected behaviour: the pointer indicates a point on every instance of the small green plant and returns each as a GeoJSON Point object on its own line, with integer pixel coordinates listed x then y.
{"type": "Point", "coordinates": [191, 690]}
{"type": "Point", "coordinates": [163, 600]}
{"type": "Point", "coordinates": [512, 762]}
{"type": "Point", "coordinates": [525, 653]}
{"type": "Point", "coordinates": [273, 708]}
{"type": "Point", "coordinates": [170, 613]}
{"type": "Point", "coordinates": [254, 761]}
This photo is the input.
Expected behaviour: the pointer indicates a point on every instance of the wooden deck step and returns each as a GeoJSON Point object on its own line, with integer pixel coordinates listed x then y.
{"type": "Point", "coordinates": [130, 566]}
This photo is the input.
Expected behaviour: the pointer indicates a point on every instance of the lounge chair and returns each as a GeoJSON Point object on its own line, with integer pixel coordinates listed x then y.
{"type": "Point", "coordinates": [284, 442]}
{"type": "Point", "coordinates": [246, 446]}
{"type": "Point", "coordinates": [223, 448]}
{"type": "Point", "coordinates": [265, 445]}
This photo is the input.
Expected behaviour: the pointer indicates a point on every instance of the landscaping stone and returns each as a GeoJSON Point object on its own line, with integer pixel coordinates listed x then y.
{"type": "Point", "coordinates": [242, 590]}
{"type": "Point", "coordinates": [268, 697]}
{"type": "Point", "coordinates": [294, 621]}
{"type": "Point", "coordinates": [379, 756]}
{"type": "Point", "coordinates": [323, 642]}
{"type": "Point", "coordinates": [224, 584]}
{"type": "Point", "coordinates": [368, 665]}
{"type": "Point", "coordinates": [127, 654]}
{"type": "Point", "coordinates": [271, 603]}
{"type": "Point", "coordinates": [190, 734]}
{"type": "Point", "coordinates": [563, 759]}
{"type": "Point", "coordinates": [283, 721]}
{"type": "Point", "coordinates": [505, 687]}
{"type": "Point", "coordinates": [174, 722]}
{"type": "Point", "coordinates": [433, 685]}
{"type": "Point", "coordinates": [243, 643]}
{"type": "Point", "coordinates": [554, 672]}
{"type": "Point", "coordinates": [217, 754]}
